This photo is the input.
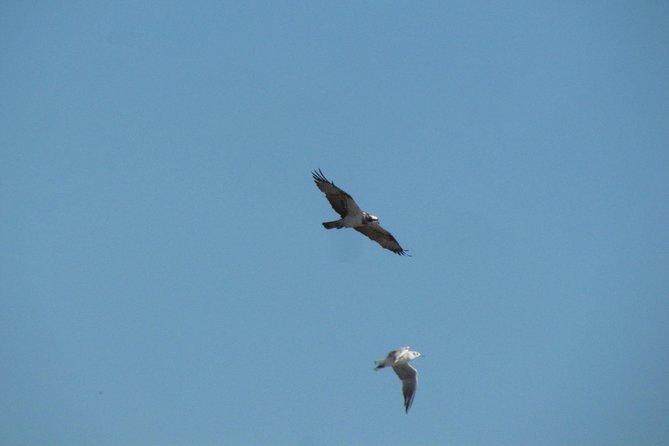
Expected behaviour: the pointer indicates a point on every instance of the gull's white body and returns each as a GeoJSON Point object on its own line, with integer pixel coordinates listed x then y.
{"type": "Point", "coordinates": [397, 357]}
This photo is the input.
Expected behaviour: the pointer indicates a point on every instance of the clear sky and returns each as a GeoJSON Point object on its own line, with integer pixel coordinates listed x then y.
{"type": "Point", "coordinates": [165, 278]}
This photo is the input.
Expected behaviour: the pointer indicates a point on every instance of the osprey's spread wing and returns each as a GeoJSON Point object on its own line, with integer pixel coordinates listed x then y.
{"type": "Point", "coordinates": [408, 376]}
{"type": "Point", "coordinates": [341, 202]}
{"type": "Point", "coordinates": [384, 238]}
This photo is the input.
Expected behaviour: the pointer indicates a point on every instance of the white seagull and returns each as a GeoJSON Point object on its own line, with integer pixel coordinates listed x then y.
{"type": "Point", "coordinates": [354, 217]}
{"type": "Point", "coordinates": [399, 361]}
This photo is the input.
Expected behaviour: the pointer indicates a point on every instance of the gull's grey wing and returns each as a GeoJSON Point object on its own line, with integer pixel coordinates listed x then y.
{"type": "Point", "coordinates": [396, 353]}
{"type": "Point", "coordinates": [340, 201]}
{"type": "Point", "coordinates": [408, 376]}
{"type": "Point", "coordinates": [384, 238]}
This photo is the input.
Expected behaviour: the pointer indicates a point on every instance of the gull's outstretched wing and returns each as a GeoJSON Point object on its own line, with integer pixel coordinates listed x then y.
{"type": "Point", "coordinates": [384, 238]}
{"type": "Point", "coordinates": [395, 354]}
{"type": "Point", "coordinates": [340, 201]}
{"type": "Point", "coordinates": [408, 376]}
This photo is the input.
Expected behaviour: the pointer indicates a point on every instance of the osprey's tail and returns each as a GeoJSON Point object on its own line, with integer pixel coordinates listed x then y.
{"type": "Point", "coordinates": [379, 364]}
{"type": "Point", "coordinates": [333, 224]}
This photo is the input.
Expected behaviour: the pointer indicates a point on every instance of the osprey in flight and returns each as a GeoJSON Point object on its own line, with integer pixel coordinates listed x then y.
{"type": "Point", "coordinates": [354, 217]}
{"type": "Point", "coordinates": [399, 361]}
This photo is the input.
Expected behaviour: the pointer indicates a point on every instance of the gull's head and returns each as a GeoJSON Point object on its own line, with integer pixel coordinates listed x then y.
{"type": "Point", "coordinates": [415, 355]}
{"type": "Point", "coordinates": [369, 218]}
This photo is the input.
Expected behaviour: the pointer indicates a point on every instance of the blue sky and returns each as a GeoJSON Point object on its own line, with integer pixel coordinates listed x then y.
{"type": "Point", "coordinates": [165, 278]}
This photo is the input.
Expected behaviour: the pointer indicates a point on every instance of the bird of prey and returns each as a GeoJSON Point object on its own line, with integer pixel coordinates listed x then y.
{"type": "Point", "coordinates": [354, 217]}
{"type": "Point", "coordinates": [399, 361]}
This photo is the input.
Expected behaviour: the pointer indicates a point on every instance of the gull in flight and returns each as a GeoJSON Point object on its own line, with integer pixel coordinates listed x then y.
{"type": "Point", "coordinates": [399, 361]}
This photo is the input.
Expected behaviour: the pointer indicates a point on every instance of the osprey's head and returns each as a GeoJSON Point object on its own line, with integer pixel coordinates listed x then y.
{"type": "Point", "coordinates": [369, 218]}
{"type": "Point", "coordinates": [415, 355]}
